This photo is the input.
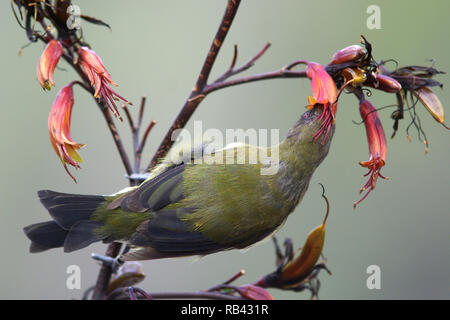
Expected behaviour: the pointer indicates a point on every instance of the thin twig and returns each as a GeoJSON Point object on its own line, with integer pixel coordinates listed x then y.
{"type": "Point", "coordinates": [227, 282]}
{"type": "Point", "coordinates": [130, 119]}
{"type": "Point", "coordinates": [231, 71]}
{"type": "Point", "coordinates": [141, 111]}
{"type": "Point", "coordinates": [144, 137]}
{"type": "Point", "coordinates": [278, 74]}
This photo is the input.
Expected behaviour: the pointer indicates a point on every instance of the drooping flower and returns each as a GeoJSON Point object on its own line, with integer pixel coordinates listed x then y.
{"type": "Point", "coordinates": [325, 93]}
{"type": "Point", "coordinates": [59, 129]}
{"type": "Point", "coordinates": [377, 147]}
{"type": "Point", "coordinates": [47, 64]}
{"type": "Point", "coordinates": [100, 79]}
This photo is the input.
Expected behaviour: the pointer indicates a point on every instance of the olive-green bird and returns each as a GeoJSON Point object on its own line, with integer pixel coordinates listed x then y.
{"type": "Point", "coordinates": [189, 209]}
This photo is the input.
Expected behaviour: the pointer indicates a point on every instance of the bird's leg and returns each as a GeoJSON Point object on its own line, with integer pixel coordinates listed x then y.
{"type": "Point", "coordinates": [317, 268]}
{"type": "Point", "coordinates": [279, 255]}
{"type": "Point", "coordinates": [283, 259]}
{"type": "Point", "coordinates": [288, 249]}
{"type": "Point", "coordinates": [138, 177]}
{"type": "Point", "coordinates": [113, 263]}
{"type": "Point", "coordinates": [314, 287]}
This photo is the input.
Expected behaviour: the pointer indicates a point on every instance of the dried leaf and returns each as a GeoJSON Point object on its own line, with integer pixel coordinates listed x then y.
{"type": "Point", "coordinates": [431, 102]}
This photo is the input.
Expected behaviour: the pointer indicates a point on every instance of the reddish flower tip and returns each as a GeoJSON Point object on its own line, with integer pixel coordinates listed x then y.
{"type": "Point", "coordinates": [377, 147]}
{"type": "Point", "coordinates": [100, 79]}
{"type": "Point", "coordinates": [253, 292]}
{"type": "Point", "coordinates": [47, 64]}
{"type": "Point", "coordinates": [325, 93]}
{"type": "Point", "coordinates": [59, 129]}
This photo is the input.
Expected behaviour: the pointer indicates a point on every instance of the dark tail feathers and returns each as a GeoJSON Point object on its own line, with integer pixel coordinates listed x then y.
{"type": "Point", "coordinates": [71, 227]}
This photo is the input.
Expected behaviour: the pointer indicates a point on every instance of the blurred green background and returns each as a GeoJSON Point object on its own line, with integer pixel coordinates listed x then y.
{"type": "Point", "coordinates": [157, 49]}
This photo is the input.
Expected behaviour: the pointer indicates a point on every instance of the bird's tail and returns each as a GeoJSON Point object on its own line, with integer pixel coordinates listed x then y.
{"type": "Point", "coordinates": [71, 226]}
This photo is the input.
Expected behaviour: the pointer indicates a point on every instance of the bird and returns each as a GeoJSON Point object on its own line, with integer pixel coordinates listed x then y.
{"type": "Point", "coordinates": [190, 208]}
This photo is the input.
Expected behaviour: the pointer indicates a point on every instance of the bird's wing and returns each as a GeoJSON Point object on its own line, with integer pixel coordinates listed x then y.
{"type": "Point", "coordinates": [154, 194]}
{"type": "Point", "coordinates": [163, 186]}
{"type": "Point", "coordinates": [165, 235]}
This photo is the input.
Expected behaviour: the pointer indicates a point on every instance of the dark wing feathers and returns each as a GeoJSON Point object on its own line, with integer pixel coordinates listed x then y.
{"type": "Point", "coordinates": [154, 194]}
{"type": "Point", "coordinates": [166, 233]}
{"type": "Point", "coordinates": [67, 209]}
{"type": "Point", "coordinates": [45, 235]}
{"type": "Point", "coordinates": [81, 235]}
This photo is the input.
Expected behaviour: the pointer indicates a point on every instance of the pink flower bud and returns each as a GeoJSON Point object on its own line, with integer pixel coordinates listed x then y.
{"type": "Point", "coordinates": [348, 54]}
{"type": "Point", "coordinates": [47, 64]}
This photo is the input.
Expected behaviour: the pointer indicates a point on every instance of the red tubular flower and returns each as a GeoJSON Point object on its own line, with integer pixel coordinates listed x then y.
{"type": "Point", "coordinates": [324, 93]}
{"type": "Point", "coordinates": [377, 147]}
{"type": "Point", "coordinates": [100, 79]}
{"type": "Point", "coordinates": [59, 129]}
{"type": "Point", "coordinates": [47, 64]}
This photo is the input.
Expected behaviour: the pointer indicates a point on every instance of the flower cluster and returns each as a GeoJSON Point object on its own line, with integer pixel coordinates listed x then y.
{"type": "Point", "coordinates": [60, 113]}
{"type": "Point", "coordinates": [416, 82]}
{"type": "Point", "coordinates": [353, 68]}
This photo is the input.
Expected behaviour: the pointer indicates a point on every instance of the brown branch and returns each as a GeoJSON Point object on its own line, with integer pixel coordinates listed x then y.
{"type": "Point", "coordinates": [104, 275]}
{"type": "Point", "coordinates": [144, 138]}
{"type": "Point", "coordinates": [227, 282]}
{"type": "Point", "coordinates": [191, 104]}
{"type": "Point", "coordinates": [257, 77]}
{"type": "Point", "coordinates": [122, 294]}
{"type": "Point", "coordinates": [141, 110]}
{"type": "Point", "coordinates": [129, 118]}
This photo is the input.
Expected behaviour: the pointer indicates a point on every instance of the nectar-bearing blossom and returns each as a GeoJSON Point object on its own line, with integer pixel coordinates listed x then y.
{"type": "Point", "coordinates": [59, 129]}
{"type": "Point", "coordinates": [100, 79]}
{"type": "Point", "coordinates": [47, 64]}
{"type": "Point", "coordinates": [325, 93]}
{"type": "Point", "coordinates": [377, 147]}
